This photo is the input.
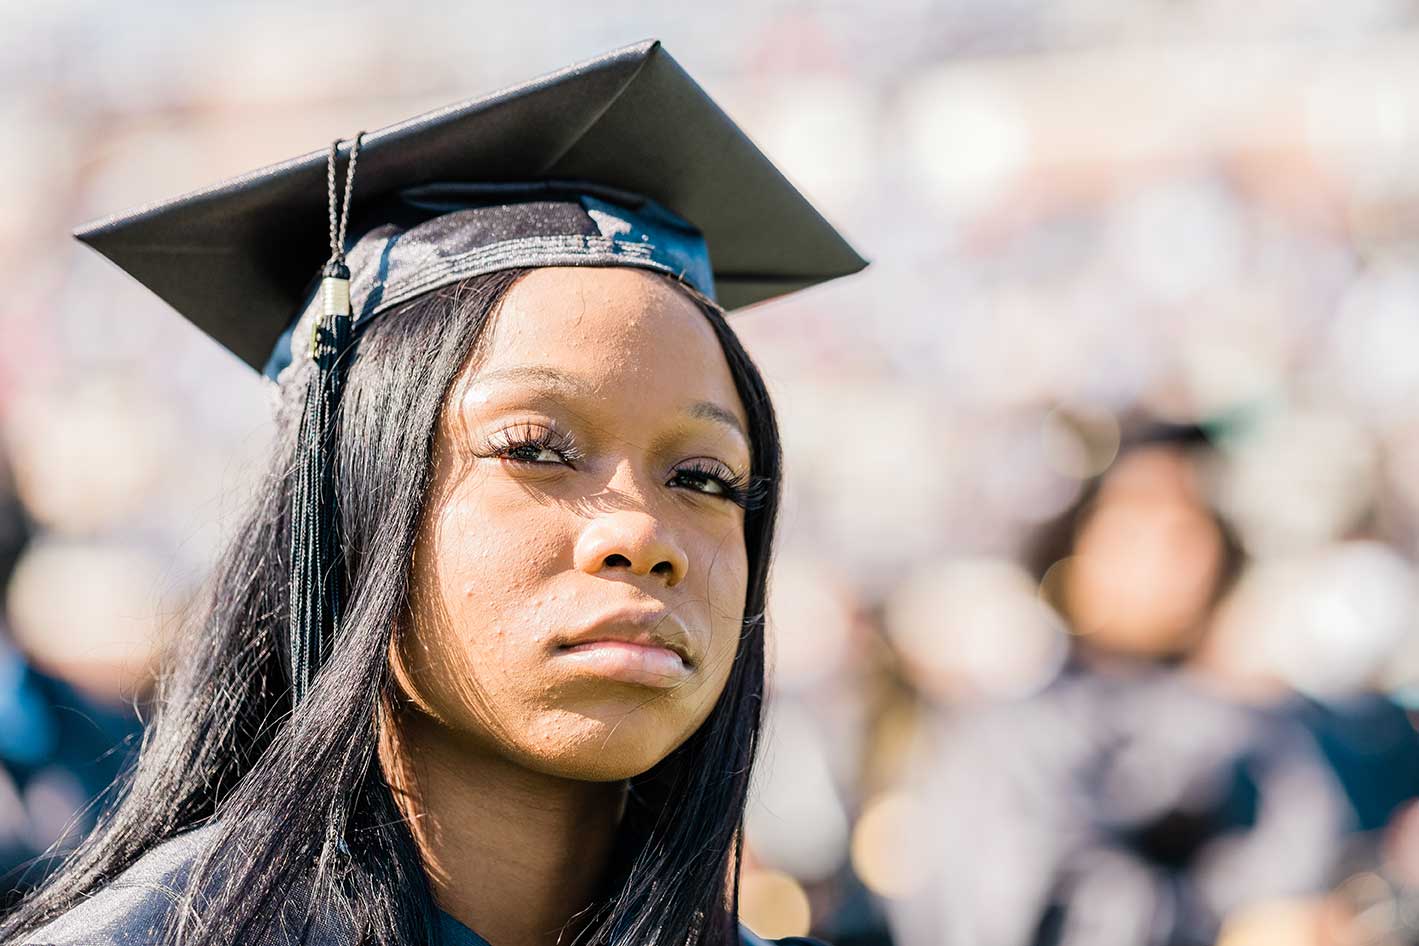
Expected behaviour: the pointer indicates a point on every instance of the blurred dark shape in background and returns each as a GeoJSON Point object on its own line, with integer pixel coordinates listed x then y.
{"type": "Point", "coordinates": [60, 746]}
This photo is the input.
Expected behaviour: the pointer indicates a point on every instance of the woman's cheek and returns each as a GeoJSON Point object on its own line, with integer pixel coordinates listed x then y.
{"type": "Point", "coordinates": [727, 583]}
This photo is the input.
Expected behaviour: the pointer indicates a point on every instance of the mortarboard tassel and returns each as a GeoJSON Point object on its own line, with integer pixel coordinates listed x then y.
{"type": "Point", "coordinates": [317, 590]}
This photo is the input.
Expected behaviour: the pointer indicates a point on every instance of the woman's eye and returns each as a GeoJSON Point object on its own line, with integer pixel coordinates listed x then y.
{"type": "Point", "coordinates": [529, 444]}
{"type": "Point", "coordinates": [713, 481]}
{"type": "Point", "coordinates": [707, 483]}
{"type": "Point", "coordinates": [532, 453]}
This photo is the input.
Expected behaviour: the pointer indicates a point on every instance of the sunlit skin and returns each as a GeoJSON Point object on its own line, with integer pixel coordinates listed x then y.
{"type": "Point", "coordinates": [510, 756]}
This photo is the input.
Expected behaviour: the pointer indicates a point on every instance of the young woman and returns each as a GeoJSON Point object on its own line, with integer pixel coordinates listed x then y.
{"type": "Point", "coordinates": [485, 662]}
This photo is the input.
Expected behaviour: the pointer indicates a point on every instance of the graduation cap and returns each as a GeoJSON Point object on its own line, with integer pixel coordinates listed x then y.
{"type": "Point", "coordinates": [237, 259]}
{"type": "Point", "coordinates": [619, 160]}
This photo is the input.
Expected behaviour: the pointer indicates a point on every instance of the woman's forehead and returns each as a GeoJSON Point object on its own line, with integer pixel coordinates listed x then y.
{"type": "Point", "coordinates": [616, 329]}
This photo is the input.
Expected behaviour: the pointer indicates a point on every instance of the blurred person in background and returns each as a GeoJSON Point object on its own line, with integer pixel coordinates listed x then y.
{"type": "Point", "coordinates": [1138, 798]}
{"type": "Point", "coordinates": [61, 744]}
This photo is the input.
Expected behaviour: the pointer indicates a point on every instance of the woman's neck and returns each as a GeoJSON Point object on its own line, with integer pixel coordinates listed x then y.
{"type": "Point", "coordinates": [512, 853]}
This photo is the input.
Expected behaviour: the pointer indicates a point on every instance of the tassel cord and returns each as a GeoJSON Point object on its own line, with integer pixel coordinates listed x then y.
{"type": "Point", "coordinates": [316, 593]}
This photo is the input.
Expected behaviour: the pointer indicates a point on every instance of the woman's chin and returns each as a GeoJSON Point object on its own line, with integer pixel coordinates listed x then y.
{"type": "Point", "coordinates": [597, 748]}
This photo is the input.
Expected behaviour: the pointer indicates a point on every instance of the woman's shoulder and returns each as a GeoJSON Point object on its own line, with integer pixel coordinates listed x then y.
{"type": "Point", "coordinates": [133, 907]}
{"type": "Point", "coordinates": [748, 937]}
{"type": "Point", "coordinates": [128, 910]}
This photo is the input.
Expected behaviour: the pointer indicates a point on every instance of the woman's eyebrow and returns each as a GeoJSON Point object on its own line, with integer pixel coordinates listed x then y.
{"type": "Point", "coordinates": [552, 381]}
{"type": "Point", "coordinates": [708, 410]}
{"type": "Point", "coordinates": [538, 376]}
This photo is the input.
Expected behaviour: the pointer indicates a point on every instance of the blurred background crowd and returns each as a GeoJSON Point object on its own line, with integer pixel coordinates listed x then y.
{"type": "Point", "coordinates": [1095, 610]}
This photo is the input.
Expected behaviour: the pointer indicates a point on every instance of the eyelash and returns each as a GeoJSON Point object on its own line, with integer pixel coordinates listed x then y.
{"type": "Point", "coordinates": [743, 489]}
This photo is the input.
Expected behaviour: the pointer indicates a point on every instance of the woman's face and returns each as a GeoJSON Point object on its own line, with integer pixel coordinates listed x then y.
{"type": "Point", "coordinates": [582, 490]}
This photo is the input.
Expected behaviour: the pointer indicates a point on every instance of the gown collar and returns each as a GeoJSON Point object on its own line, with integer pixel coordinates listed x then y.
{"type": "Point", "coordinates": [453, 933]}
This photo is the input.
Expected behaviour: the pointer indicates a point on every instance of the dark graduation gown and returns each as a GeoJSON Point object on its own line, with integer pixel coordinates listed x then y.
{"type": "Point", "coordinates": [130, 909]}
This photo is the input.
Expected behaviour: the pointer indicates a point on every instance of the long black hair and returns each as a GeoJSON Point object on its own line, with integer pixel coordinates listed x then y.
{"type": "Point", "coordinates": [300, 800]}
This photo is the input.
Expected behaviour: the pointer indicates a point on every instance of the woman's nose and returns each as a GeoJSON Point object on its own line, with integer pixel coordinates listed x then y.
{"type": "Point", "coordinates": [634, 540]}
{"type": "Point", "coordinates": [628, 534]}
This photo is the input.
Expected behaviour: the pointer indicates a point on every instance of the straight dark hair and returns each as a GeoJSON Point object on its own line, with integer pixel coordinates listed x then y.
{"type": "Point", "coordinates": [301, 801]}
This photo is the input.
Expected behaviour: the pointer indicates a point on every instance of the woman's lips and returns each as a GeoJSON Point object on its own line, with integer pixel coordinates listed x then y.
{"type": "Point", "coordinates": [632, 663]}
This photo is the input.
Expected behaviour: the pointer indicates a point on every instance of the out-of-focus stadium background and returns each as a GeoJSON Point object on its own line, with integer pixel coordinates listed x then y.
{"type": "Point", "coordinates": [1096, 602]}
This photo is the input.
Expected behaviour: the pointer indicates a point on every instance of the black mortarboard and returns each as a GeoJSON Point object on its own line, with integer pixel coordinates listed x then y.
{"type": "Point", "coordinates": [619, 160]}
{"type": "Point", "coordinates": [237, 259]}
